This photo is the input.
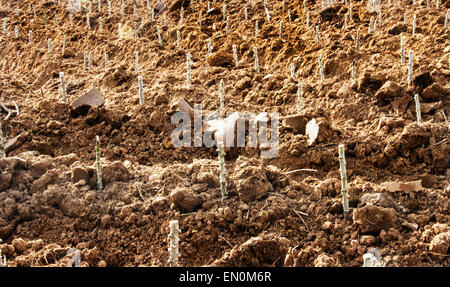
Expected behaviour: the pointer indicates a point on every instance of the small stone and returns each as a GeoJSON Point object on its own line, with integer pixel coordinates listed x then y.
{"type": "Point", "coordinates": [5, 181]}
{"type": "Point", "coordinates": [243, 207]}
{"type": "Point", "coordinates": [389, 91]}
{"type": "Point", "coordinates": [323, 260]}
{"type": "Point", "coordinates": [220, 59]}
{"type": "Point", "coordinates": [37, 244]}
{"type": "Point", "coordinates": [372, 218]}
{"type": "Point", "coordinates": [434, 93]}
{"type": "Point", "coordinates": [54, 125]}
{"type": "Point", "coordinates": [327, 225]}
{"type": "Point", "coordinates": [397, 29]}
{"type": "Point", "coordinates": [41, 183]}
{"type": "Point", "coordinates": [372, 81]}
{"type": "Point", "coordinates": [20, 245]}
{"type": "Point", "coordinates": [440, 243]}
{"type": "Point", "coordinates": [379, 199]}
{"type": "Point", "coordinates": [16, 142]}
{"type": "Point", "coordinates": [101, 263]}
{"type": "Point", "coordinates": [79, 173]}
{"type": "Point", "coordinates": [93, 98]}
{"type": "Point", "coordinates": [16, 163]}
{"type": "Point", "coordinates": [428, 180]}
{"type": "Point", "coordinates": [367, 240]}
{"type": "Point", "coordinates": [345, 90]}
{"type": "Point", "coordinates": [160, 99]}
{"type": "Point", "coordinates": [186, 200]}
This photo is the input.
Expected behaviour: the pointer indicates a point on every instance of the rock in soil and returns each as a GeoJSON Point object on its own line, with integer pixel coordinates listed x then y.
{"type": "Point", "coordinates": [372, 219]}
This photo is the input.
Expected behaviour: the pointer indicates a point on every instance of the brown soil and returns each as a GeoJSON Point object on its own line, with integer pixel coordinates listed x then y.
{"type": "Point", "coordinates": [49, 200]}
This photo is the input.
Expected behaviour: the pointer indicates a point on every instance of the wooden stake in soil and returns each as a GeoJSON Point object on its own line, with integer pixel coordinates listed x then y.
{"type": "Point", "coordinates": [224, 11]}
{"type": "Point", "coordinates": [100, 23]}
{"type": "Point", "coordinates": [410, 67]}
{"type": "Point", "coordinates": [322, 75]}
{"type": "Point", "coordinates": [98, 164]}
{"type": "Point", "coordinates": [49, 44]}
{"type": "Point", "coordinates": [90, 60]}
{"type": "Point", "coordinates": [446, 18]}
{"type": "Point", "coordinates": [292, 69]}
{"type": "Point", "coordinates": [281, 29]}
{"type": "Point", "coordinates": [317, 34]}
{"type": "Point", "coordinates": [71, 19]}
{"type": "Point", "coordinates": [221, 96]}
{"type": "Point", "coordinates": [267, 15]}
{"type": "Point", "coordinates": [141, 90]}
{"type": "Point", "coordinates": [136, 30]}
{"type": "Point", "coordinates": [236, 62]}
{"type": "Point", "coordinates": [414, 25]}
{"type": "Point", "coordinates": [88, 21]}
{"type": "Point", "coordinates": [158, 32]}
{"type": "Point", "coordinates": [179, 40]}
{"type": "Point", "coordinates": [402, 49]}
{"type": "Point", "coordinates": [63, 87]}
{"type": "Point", "coordinates": [255, 54]}
{"type": "Point", "coordinates": [181, 16]}
{"type": "Point", "coordinates": [344, 188]}
{"type": "Point", "coordinates": [4, 25]}
{"type": "Point", "coordinates": [351, 11]}
{"type": "Point", "coordinates": [174, 241]}
{"type": "Point", "coordinates": [209, 45]}
{"type": "Point", "coordinates": [299, 97]}
{"type": "Point", "coordinates": [379, 17]}
{"type": "Point", "coordinates": [418, 114]}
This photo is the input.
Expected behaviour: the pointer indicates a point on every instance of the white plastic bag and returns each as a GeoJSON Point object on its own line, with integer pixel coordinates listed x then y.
{"type": "Point", "coordinates": [373, 6]}
{"type": "Point", "coordinates": [74, 6]}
